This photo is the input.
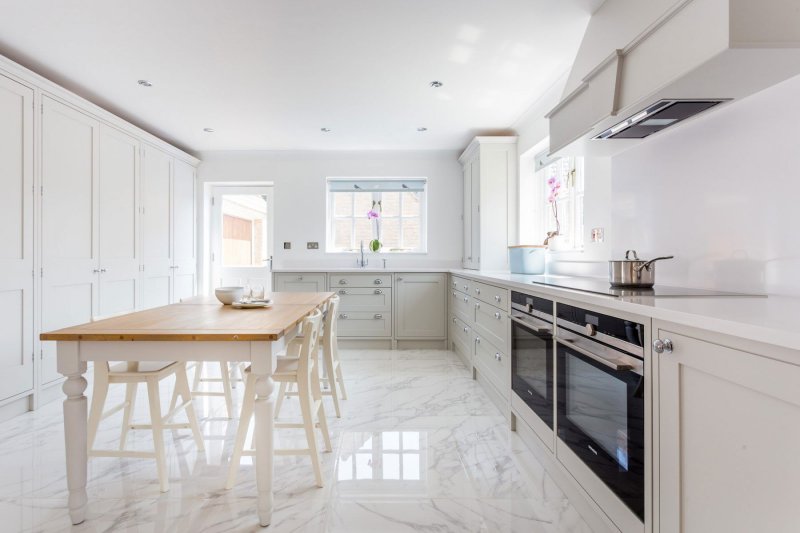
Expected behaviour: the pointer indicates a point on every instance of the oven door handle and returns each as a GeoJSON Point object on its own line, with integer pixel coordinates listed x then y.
{"type": "Point", "coordinates": [616, 365]}
{"type": "Point", "coordinates": [537, 329]}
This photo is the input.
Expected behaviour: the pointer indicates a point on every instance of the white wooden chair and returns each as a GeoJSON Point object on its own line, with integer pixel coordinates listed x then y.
{"type": "Point", "coordinates": [330, 355]}
{"type": "Point", "coordinates": [132, 374]}
{"type": "Point", "coordinates": [298, 366]}
{"type": "Point", "coordinates": [227, 379]}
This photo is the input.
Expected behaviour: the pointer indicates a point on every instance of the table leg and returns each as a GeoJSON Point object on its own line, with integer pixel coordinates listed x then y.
{"type": "Point", "coordinates": [262, 367]}
{"type": "Point", "coordinates": [75, 435]}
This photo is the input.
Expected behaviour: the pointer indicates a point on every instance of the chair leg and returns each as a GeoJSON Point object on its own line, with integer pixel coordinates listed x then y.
{"type": "Point", "coordinates": [233, 374]}
{"type": "Point", "coordinates": [248, 404]}
{"type": "Point", "coordinates": [308, 425]}
{"type": "Point", "coordinates": [198, 374]}
{"type": "Point", "coordinates": [316, 395]}
{"type": "Point", "coordinates": [175, 392]}
{"type": "Point", "coordinates": [182, 388]}
{"type": "Point", "coordinates": [338, 364]}
{"type": "Point", "coordinates": [279, 399]}
{"type": "Point", "coordinates": [154, 398]}
{"type": "Point", "coordinates": [226, 387]}
{"type": "Point", "coordinates": [330, 373]}
{"type": "Point", "coordinates": [130, 404]}
{"type": "Point", "coordinates": [99, 394]}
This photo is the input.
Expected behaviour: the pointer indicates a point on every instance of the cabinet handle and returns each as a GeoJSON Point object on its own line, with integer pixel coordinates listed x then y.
{"type": "Point", "coordinates": [477, 290]}
{"type": "Point", "coordinates": [342, 291]}
{"type": "Point", "coordinates": [398, 279]}
{"type": "Point", "coordinates": [477, 306]}
{"type": "Point", "coordinates": [466, 288]}
{"type": "Point", "coordinates": [454, 320]}
{"type": "Point", "coordinates": [455, 284]}
{"type": "Point", "coordinates": [102, 270]}
{"type": "Point", "coordinates": [497, 316]}
{"type": "Point", "coordinates": [470, 258]}
{"type": "Point", "coordinates": [477, 340]}
{"type": "Point", "coordinates": [466, 299]}
{"type": "Point", "coordinates": [342, 282]}
{"type": "Point", "coordinates": [299, 278]}
{"type": "Point", "coordinates": [378, 316]}
{"type": "Point", "coordinates": [496, 298]}
{"type": "Point", "coordinates": [95, 270]}
{"type": "Point", "coordinates": [466, 330]}
{"type": "Point", "coordinates": [380, 282]}
{"type": "Point", "coordinates": [343, 316]}
{"type": "Point", "coordinates": [454, 293]}
{"type": "Point", "coordinates": [378, 291]}
{"type": "Point", "coordinates": [498, 357]}
{"type": "Point", "coordinates": [664, 346]}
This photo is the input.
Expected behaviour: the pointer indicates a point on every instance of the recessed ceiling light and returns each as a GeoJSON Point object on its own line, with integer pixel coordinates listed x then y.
{"type": "Point", "coordinates": [421, 129]}
{"type": "Point", "coordinates": [144, 83]}
{"type": "Point", "coordinates": [436, 84]}
{"type": "Point", "coordinates": [325, 130]}
{"type": "Point", "coordinates": [208, 130]}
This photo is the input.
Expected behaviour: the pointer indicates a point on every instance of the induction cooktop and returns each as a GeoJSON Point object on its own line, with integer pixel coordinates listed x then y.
{"type": "Point", "coordinates": [601, 286]}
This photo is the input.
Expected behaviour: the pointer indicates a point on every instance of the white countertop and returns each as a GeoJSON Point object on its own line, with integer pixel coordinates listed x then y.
{"type": "Point", "coordinates": [367, 270]}
{"type": "Point", "coordinates": [771, 320]}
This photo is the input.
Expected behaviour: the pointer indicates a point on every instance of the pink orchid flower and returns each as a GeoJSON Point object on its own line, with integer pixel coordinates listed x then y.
{"type": "Point", "coordinates": [372, 214]}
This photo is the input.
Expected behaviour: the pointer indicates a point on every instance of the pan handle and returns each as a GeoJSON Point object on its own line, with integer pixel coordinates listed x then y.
{"type": "Point", "coordinates": [646, 266]}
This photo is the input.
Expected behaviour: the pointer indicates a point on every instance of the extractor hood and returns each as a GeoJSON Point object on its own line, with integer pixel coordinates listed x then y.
{"type": "Point", "coordinates": [693, 58]}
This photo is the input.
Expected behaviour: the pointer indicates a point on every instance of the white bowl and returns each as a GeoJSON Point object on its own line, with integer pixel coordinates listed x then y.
{"type": "Point", "coordinates": [228, 295]}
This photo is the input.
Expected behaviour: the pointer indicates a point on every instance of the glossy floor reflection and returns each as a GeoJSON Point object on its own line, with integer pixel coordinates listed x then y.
{"type": "Point", "coordinates": [419, 447]}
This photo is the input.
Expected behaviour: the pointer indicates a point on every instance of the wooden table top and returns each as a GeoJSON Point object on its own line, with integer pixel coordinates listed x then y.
{"type": "Point", "coordinates": [278, 298]}
{"type": "Point", "coordinates": [201, 322]}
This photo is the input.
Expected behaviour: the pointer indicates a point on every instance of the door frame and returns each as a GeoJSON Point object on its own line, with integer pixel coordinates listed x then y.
{"type": "Point", "coordinates": [210, 190]}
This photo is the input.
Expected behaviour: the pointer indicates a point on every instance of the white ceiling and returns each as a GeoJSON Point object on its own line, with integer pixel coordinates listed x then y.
{"type": "Point", "coordinates": [268, 74]}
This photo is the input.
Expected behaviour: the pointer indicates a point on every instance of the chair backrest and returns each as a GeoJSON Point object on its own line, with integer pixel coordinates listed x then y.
{"type": "Point", "coordinates": [332, 316]}
{"type": "Point", "coordinates": [311, 328]}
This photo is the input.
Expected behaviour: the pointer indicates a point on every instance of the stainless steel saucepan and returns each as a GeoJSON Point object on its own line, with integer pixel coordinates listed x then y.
{"type": "Point", "coordinates": [632, 271]}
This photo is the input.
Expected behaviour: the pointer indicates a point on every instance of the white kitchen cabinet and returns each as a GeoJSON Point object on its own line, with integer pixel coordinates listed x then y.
{"type": "Point", "coordinates": [69, 239]}
{"type": "Point", "coordinates": [16, 238]}
{"type": "Point", "coordinates": [184, 253]}
{"type": "Point", "coordinates": [299, 282]}
{"type": "Point", "coordinates": [156, 194]}
{"type": "Point", "coordinates": [420, 306]}
{"type": "Point", "coordinates": [728, 434]}
{"type": "Point", "coordinates": [118, 223]}
{"type": "Point", "coordinates": [490, 193]}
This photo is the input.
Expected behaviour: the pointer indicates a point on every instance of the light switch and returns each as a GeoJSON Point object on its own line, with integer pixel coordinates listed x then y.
{"type": "Point", "coordinates": [287, 246]}
{"type": "Point", "coordinates": [312, 245]}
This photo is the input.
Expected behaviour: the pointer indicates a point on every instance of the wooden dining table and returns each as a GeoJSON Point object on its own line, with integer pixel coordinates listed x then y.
{"type": "Point", "coordinates": [196, 329]}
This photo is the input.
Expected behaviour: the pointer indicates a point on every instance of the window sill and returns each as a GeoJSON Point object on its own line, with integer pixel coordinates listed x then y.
{"type": "Point", "coordinates": [371, 253]}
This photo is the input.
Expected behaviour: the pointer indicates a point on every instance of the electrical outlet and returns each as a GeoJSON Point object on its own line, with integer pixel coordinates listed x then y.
{"type": "Point", "coordinates": [287, 246]}
{"type": "Point", "coordinates": [598, 235]}
{"type": "Point", "coordinates": [312, 245]}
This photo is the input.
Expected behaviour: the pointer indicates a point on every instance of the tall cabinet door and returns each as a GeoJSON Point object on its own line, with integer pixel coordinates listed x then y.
{"type": "Point", "coordinates": [118, 227]}
{"type": "Point", "coordinates": [475, 217]}
{"type": "Point", "coordinates": [69, 222]}
{"type": "Point", "coordinates": [156, 199]}
{"type": "Point", "coordinates": [467, 216]}
{"type": "Point", "coordinates": [183, 223]}
{"type": "Point", "coordinates": [16, 238]}
{"type": "Point", "coordinates": [421, 306]}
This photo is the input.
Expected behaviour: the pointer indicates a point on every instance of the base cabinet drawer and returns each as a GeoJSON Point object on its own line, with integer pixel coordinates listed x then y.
{"type": "Point", "coordinates": [461, 284]}
{"type": "Point", "coordinates": [494, 362]}
{"type": "Point", "coordinates": [299, 282]}
{"type": "Point", "coordinates": [492, 324]}
{"type": "Point", "coordinates": [491, 295]}
{"type": "Point", "coordinates": [358, 324]}
{"type": "Point", "coordinates": [461, 305]}
{"type": "Point", "coordinates": [360, 280]}
{"type": "Point", "coordinates": [462, 333]}
{"type": "Point", "coordinates": [365, 300]}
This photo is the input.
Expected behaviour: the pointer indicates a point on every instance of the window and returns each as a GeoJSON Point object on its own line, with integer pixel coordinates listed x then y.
{"type": "Point", "coordinates": [567, 175]}
{"type": "Point", "coordinates": [398, 206]}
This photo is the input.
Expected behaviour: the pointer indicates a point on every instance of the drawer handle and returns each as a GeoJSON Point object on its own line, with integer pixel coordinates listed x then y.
{"type": "Point", "coordinates": [343, 316]}
{"type": "Point", "coordinates": [466, 287]}
{"type": "Point", "coordinates": [454, 293]}
{"type": "Point", "coordinates": [466, 330]}
{"type": "Point", "coordinates": [477, 290]}
{"type": "Point", "coordinates": [497, 316]}
{"type": "Point", "coordinates": [477, 306]}
{"type": "Point", "coordinates": [496, 298]}
{"type": "Point", "coordinates": [342, 282]}
{"type": "Point", "coordinates": [455, 284]}
{"type": "Point", "coordinates": [378, 291]}
{"type": "Point", "coordinates": [379, 282]}
{"type": "Point", "coordinates": [378, 316]}
{"type": "Point", "coordinates": [498, 357]}
{"type": "Point", "coordinates": [399, 279]}
{"type": "Point", "coordinates": [454, 320]}
{"type": "Point", "coordinates": [299, 278]}
{"type": "Point", "coordinates": [466, 299]}
{"type": "Point", "coordinates": [477, 340]}
{"type": "Point", "coordinates": [342, 291]}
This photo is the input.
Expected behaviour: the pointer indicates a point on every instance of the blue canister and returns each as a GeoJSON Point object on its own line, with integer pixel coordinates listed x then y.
{"type": "Point", "coordinates": [527, 259]}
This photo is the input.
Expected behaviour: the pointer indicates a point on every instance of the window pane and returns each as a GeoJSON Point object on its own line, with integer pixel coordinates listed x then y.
{"type": "Point", "coordinates": [411, 207]}
{"type": "Point", "coordinates": [342, 233]}
{"type": "Point", "coordinates": [411, 470]}
{"type": "Point", "coordinates": [363, 231]}
{"type": "Point", "coordinates": [391, 440]}
{"type": "Point", "coordinates": [390, 201]}
{"type": "Point", "coordinates": [343, 204]}
{"type": "Point", "coordinates": [391, 466]}
{"type": "Point", "coordinates": [363, 204]}
{"type": "Point", "coordinates": [411, 236]}
{"type": "Point", "coordinates": [390, 233]}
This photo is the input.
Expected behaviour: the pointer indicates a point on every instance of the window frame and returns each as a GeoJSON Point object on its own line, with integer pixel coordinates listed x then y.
{"type": "Point", "coordinates": [331, 217]}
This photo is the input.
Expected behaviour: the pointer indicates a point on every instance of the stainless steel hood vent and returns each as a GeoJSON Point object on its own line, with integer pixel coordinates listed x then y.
{"type": "Point", "coordinates": [658, 116]}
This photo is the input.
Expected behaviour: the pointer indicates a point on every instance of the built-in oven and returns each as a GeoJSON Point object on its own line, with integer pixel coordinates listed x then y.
{"type": "Point", "coordinates": [601, 398]}
{"type": "Point", "coordinates": [532, 356]}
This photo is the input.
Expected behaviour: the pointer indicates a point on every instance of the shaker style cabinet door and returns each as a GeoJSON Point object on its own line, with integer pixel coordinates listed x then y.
{"type": "Point", "coordinates": [16, 238]}
{"type": "Point", "coordinates": [421, 306]}
{"type": "Point", "coordinates": [727, 457]}
{"type": "Point", "coordinates": [184, 264]}
{"type": "Point", "coordinates": [69, 222]}
{"type": "Point", "coordinates": [466, 259]}
{"type": "Point", "coordinates": [156, 195]}
{"type": "Point", "coordinates": [118, 223]}
{"type": "Point", "coordinates": [299, 282]}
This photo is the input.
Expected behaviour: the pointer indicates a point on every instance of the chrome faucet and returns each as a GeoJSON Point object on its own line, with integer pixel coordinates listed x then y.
{"type": "Point", "coordinates": [363, 262]}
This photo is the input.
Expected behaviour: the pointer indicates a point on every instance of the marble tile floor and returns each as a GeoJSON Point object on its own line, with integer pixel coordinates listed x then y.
{"type": "Point", "coordinates": [419, 447]}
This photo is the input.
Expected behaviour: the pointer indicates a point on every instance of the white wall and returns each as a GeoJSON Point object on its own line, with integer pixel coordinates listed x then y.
{"type": "Point", "coordinates": [722, 193]}
{"type": "Point", "coordinates": [299, 181]}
